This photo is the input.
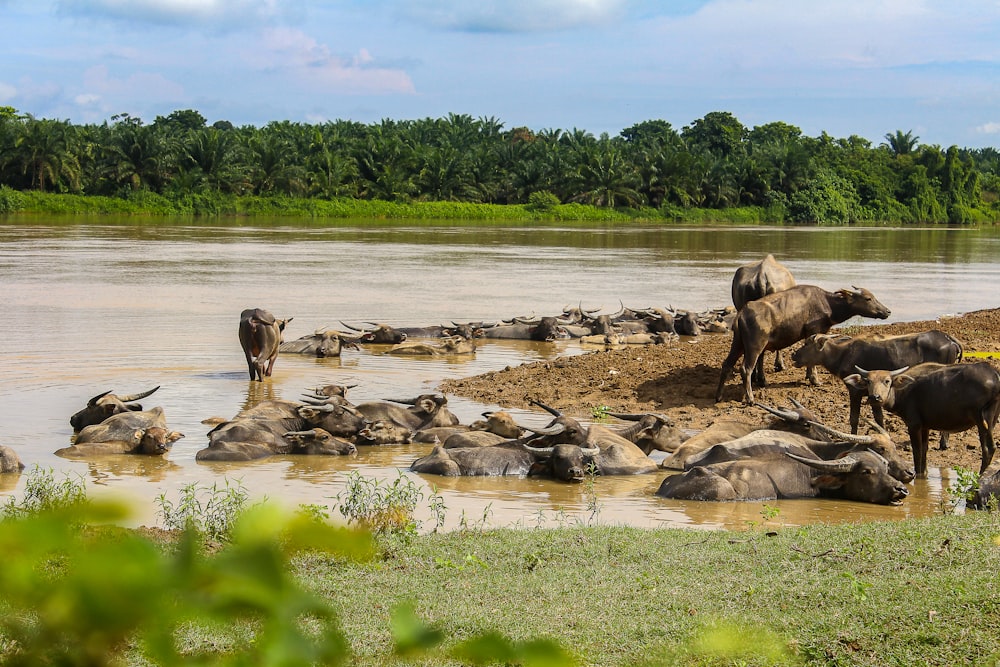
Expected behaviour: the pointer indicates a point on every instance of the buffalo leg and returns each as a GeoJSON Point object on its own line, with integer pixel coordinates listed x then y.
{"type": "Point", "coordinates": [779, 361]}
{"type": "Point", "coordinates": [918, 443]}
{"type": "Point", "coordinates": [986, 444]}
{"type": "Point", "coordinates": [735, 352]}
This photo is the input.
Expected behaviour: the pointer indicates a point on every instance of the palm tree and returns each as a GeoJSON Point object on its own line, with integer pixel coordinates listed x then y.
{"type": "Point", "coordinates": [901, 143]}
{"type": "Point", "coordinates": [45, 149]}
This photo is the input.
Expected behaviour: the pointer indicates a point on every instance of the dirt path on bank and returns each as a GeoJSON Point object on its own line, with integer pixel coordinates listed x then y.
{"type": "Point", "coordinates": [679, 379]}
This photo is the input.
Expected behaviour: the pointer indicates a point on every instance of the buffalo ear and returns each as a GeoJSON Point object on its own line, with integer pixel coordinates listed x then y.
{"type": "Point", "coordinates": [428, 405]}
{"type": "Point", "coordinates": [174, 436]}
{"type": "Point", "coordinates": [855, 381]}
{"type": "Point", "coordinates": [828, 481]}
{"type": "Point", "coordinates": [903, 380]}
{"type": "Point", "coordinates": [137, 435]}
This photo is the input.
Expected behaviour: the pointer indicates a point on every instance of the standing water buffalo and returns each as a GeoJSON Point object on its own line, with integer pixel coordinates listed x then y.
{"type": "Point", "coordinates": [260, 337]}
{"type": "Point", "coordinates": [841, 355]}
{"type": "Point", "coordinates": [104, 405]}
{"type": "Point", "coordinates": [948, 398]}
{"type": "Point", "coordinates": [757, 279]}
{"type": "Point", "coordinates": [775, 321]}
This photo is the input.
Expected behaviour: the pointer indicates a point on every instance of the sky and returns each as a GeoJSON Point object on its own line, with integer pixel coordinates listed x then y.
{"type": "Point", "coordinates": [844, 67]}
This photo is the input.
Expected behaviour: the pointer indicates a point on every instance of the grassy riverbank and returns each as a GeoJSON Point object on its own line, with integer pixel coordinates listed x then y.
{"type": "Point", "coordinates": [141, 203]}
{"type": "Point", "coordinates": [905, 593]}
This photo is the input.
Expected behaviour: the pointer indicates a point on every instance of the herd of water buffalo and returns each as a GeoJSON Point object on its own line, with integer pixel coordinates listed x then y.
{"type": "Point", "coordinates": [917, 377]}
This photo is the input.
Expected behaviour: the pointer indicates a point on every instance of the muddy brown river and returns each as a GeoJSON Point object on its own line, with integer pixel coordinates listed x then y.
{"type": "Point", "coordinates": [125, 306]}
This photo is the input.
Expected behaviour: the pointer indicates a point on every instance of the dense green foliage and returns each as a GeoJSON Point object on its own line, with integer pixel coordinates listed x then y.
{"type": "Point", "coordinates": [475, 169]}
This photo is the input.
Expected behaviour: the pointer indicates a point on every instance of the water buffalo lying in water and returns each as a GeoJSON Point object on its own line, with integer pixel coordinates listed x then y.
{"type": "Point", "coordinates": [263, 430]}
{"type": "Point", "coordinates": [9, 460]}
{"type": "Point", "coordinates": [757, 279]}
{"type": "Point", "coordinates": [543, 329]}
{"type": "Point", "coordinates": [775, 321]}
{"type": "Point", "coordinates": [448, 346]}
{"type": "Point", "coordinates": [132, 432]}
{"type": "Point", "coordinates": [104, 405]}
{"type": "Point", "coordinates": [938, 397]}
{"type": "Point", "coordinates": [260, 338]}
{"type": "Point", "coordinates": [842, 355]}
{"type": "Point", "coordinates": [320, 343]}
{"type": "Point", "coordinates": [380, 334]}
{"type": "Point", "coordinates": [859, 475]}
{"type": "Point", "coordinates": [424, 411]}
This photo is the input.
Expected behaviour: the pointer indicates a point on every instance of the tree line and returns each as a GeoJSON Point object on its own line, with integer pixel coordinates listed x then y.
{"type": "Point", "coordinates": [715, 162]}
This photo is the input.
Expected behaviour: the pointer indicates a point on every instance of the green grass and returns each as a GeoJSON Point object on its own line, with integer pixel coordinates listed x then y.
{"type": "Point", "coordinates": [900, 593]}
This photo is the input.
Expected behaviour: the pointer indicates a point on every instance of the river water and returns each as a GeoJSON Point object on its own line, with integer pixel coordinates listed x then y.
{"type": "Point", "coordinates": [125, 305]}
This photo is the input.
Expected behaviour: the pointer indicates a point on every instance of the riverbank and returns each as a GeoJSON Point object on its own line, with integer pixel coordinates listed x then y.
{"type": "Point", "coordinates": [679, 379]}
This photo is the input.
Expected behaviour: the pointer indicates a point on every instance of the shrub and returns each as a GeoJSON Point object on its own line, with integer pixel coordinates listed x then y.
{"type": "Point", "coordinates": [10, 200]}
{"type": "Point", "coordinates": [385, 508]}
{"type": "Point", "coordinates": [42, 493]}
{"type": "Point", "coordinates": [209, 511]}
{"type": "Point", "coordinates": [542, 200]}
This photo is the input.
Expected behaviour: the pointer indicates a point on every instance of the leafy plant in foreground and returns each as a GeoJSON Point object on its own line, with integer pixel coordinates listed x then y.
{"type": "Point", "coordinates": [43, 493]}
{"type": "Point", "coordinates": [210, 511]}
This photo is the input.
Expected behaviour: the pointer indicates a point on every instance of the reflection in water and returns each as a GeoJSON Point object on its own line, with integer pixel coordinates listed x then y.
{"type": "Point", "coordinates": [86, 311]}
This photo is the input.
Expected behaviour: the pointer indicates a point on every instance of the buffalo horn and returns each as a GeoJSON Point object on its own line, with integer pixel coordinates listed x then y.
{"type": "Point", "coordinates": [551, 411]}
{"type": "Point", "coordinates": [846, 437]}
{"type": "Point", "coordinates": [92, 402]}
{"type": "Point", "coordinates": [136, 397]}
{"type": "Point", "coordinates": [310, 433]}
{"type": "Point", "coordinates": [787, 415]}
{"type": "Point", "coordinates": [404, 401]}
{"type": "Point", "coordinates": [878, 427]}
{"type": "Point", "coordinates": [352, 328]}
{"type": "Point", "coordinates": [898, 371]}
{"type": "Point", "coordinates": [626, 416]}
{"type": "Point", "coordinates": [621, 311]}
{"type": "Point", "coordinates": [553, 429]}
{"type": "Point", "coordinates": [843, 464]}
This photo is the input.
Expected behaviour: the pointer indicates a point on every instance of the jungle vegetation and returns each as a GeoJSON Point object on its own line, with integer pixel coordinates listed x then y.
{"type": "Point", "coordinates": [714, 167]}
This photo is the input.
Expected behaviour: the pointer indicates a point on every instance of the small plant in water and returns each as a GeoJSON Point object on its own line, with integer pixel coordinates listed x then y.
{"type": "Point", "coordinates": [211, 511]}
{"type": "Point", "coordinates": [43, 493]}
{"type": "Point", "coordinates": [600, 413]}
{"type": "Point", "coordinates": [961, 491]}
{"type": "Point", "coordinates": [381, 507]}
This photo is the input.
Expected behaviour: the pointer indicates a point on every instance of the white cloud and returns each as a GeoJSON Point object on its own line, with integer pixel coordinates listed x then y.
{"type": "Point", "coordinates": [989, 128]}
{"type": "Point", "coordinates": [87, 99]}
{"type": "Point", "coordinates": [297, 53]}
{"type": "Point", "coordinates": [512, 15]}
{"type": "Point", "coordinates": [219, 13]}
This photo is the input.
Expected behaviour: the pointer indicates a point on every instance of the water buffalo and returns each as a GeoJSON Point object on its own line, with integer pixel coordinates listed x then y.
{"type": "Point", "coordinates": [987, 495]}
{"type": "Point", "coordinates": [425, 411]}
{"type": "Point", "coordinates": [510, 458]}
{"type": "Point", "coordinates": [383, 432]}
{"type": "Point", "coordinates": [380, 334]}
{"type": "Point", "coordinates": [447, 346]}
{"type": "Point", "coordinates": [757, 279]}
{"type": "Point", "coordinates": [543, 329]}
{"type": "Point", "coordinates": [320, 343]}
{"type": "Point", "coordinates": [260, 337]}
{"type": "Point", "coordinates": [841, 355]}
{"type": "Point", "coordinates": [131, 432]}
{"type": "Point", "coordinates": [650, 431]}
{"type": "Point", "coordinates": [798, 419]}
{"type": "Point", "coordinates": [104, 405]}
{"type": "Point", "coordinates": [775, 321]}
{"type": "Point", "coordinates": [261, 431]}
{"type": "Point", "coordinates": [468, 330]}
{"type": "Point", "coordinates": [768, 443]}
{"type": "Point", "coordinates": [10, 462]}
{"type": "Point", "coordinates": [860, 475]}
{"type": "Point", "coordinates": [948, 398]}
{"type": "Point", "coordinates": [498, 427]}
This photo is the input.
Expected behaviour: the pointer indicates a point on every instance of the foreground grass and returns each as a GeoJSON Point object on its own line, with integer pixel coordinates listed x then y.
{"type": "Point", "coordinates": [901, 593]}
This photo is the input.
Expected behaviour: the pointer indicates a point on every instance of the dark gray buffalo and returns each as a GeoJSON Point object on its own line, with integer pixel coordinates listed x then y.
{"type": "Point", "coordinates": [104, 405]}
{"type": "Point", "coordinates": [260, 337]}
{"type": "Point", "coordinates": [775, 321]}
{"type": "Point", "coordinates": [320, 343]}
{"type": "Point", "coordinates": [542, 329]}
{"type": "Point", "coordinates": [132, 432]}
{"type": "Point", "coordinates": [424, 411]}
{"type": "Point", "coordinates": [379, 334]}
{"type": "Point", "coordinates": [263, 430]}
{"type": "Point", "coordinates": [860, 475]}
{"type": "Point", "coordinates": [948, 398]}
{"type": "Point", "coordinates": [842, 355]}
{"type": "Point", "coordinates": [757, 279]}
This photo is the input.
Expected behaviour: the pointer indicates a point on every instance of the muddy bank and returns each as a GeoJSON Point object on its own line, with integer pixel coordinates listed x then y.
{"type": "Point", "coordinates": [679, 379]}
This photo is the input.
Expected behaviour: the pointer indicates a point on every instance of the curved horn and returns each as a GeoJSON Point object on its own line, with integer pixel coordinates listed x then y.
{"type": "Point", "coordinates": [878, 427]}
{"type": "Point", "coordinates": [92, 402]}
{"type": "Point", "coordinates": [626, 416]}
{"type": "Point", "coordinates": [310, 433]}
{"type": "Point", "coordinates": [135, 397]}
{"type": "Point", "coordinates": [551, 411]}
{"type": "Point", "coordinates": [352, 328]}
{"type": "Point", "coordinates": [537, 450]}
{"type": "Point", "coordinates": [404, 401]}
{"type": "Point", "coordinates": [843, 464]}
{"type": "Point", "coordinates": [846, 437]}
{"type": "Point", "coordinates": [552, 429]}
{"type": "Point", "coordinates": [787, 415]}
{"type": "Point", "coordinates": [621, 311]}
